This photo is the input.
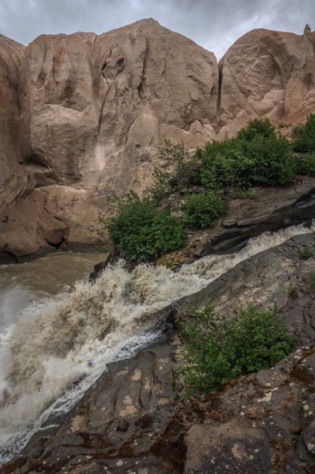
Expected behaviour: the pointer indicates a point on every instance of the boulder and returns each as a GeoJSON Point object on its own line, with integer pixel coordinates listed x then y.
{"type": "Point", "coordinates": [266, 74]}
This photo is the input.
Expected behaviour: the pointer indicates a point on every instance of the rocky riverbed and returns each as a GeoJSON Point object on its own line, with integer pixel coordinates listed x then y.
{"type": "Point", "coordinates": [137, 419]}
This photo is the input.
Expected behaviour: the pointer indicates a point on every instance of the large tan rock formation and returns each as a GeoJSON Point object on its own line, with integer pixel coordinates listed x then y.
{"type": "Point", "coordinates": [266, 73]}
{"type": "Point", "coordinates": [82, 115]}
{"type": "Point", "coordinates": [92, 111]}
{"type": "Point", "coordinates": [12, 182]}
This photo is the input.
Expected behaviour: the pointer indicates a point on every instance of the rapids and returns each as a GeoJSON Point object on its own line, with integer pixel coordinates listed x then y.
{"type": "Point", "coordinates": [57, 335]}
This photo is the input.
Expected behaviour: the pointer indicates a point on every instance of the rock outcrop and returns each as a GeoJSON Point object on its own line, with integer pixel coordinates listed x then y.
{"type": "Point", "coordinates": [82, 116]}
{"type": "Point", "coordinates": [267, 73]}
{"type": "Point", "coordinates": [136, 418]}
{"type": "Point", "coordinates": [13, 181]}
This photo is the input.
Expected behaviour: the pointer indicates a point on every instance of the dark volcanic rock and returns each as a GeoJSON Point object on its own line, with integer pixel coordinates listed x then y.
{"type": "Point", "coordinates": [274, 208]}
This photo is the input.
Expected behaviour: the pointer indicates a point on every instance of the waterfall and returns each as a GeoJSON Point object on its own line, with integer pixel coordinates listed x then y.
{"type": "Point", "coordinates": [53, 347]}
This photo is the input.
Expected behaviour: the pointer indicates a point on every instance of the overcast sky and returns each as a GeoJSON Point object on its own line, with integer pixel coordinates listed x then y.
{"type": "Point", "coordinates": [213, 24]}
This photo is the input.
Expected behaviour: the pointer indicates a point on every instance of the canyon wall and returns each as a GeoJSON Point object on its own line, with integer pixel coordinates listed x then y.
{"type": "Point", "coordinates": [82, 116]}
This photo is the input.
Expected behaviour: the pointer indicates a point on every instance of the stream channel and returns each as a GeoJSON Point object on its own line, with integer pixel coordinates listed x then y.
{"type": "Point", "coordinates": [58, 331]}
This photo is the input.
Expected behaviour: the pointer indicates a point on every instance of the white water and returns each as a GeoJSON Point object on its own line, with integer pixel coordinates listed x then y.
{"type": "Point", "coordinates": [53, 348]}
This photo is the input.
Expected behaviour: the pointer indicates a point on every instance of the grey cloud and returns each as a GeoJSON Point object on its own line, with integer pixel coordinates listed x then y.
{"type": "Point", "coordinates": [214, 24]}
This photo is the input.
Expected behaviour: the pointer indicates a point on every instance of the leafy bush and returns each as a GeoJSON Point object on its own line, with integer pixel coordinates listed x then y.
{"type": "Point", "coordinates": [224, 164]}
{"type": "Point", "coordinates": [304, 136]}
{"type": "Point", "coordinates": [257, 156]}
{"type": "Point", "coordinates": [304, 253]}
{"type": "Point", "coordinates": [259, 127]}
{"type": "Point", "coordinates": [141, 232]}
{"type": "Point", "coordinates": [176, 157]}
{"type": "Point", "coordinates": [271, 161]}
{"type": "Point", "coordinates": [311, 279]}
{"type": "Point", "coordinates": [174, 173]}
{"type": "Point", "coordinates": [305, 164]}
{"type": "Point", "coordinates": [203, 209]}
{"type": "Point", "coordinates": [218, 349]}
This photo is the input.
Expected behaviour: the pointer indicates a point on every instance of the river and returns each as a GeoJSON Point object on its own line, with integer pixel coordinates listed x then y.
{"type": "Point", "coordinates": [58, 330]}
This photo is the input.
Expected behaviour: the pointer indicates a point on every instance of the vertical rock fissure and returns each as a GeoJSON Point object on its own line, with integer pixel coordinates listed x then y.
{"type": "Point", "coordinates": [220, 77]}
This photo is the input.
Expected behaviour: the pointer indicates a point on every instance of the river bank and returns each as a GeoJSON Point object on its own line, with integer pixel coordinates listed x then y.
{"type": "Point", "coordinates": [134, 413]}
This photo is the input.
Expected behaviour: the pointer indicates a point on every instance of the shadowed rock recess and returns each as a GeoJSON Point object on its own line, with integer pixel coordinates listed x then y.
{"type": "Point", "coordinates": [82, 115]}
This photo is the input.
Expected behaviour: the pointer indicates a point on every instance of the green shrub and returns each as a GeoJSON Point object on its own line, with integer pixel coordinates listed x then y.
{"type": "Point", "coordinates": [304, 136]}
{"type": "Point", "coordinates": [272, 161]}
{"type": "Point", "coordinates": [258, 155]}
{"type": "Point", "coordinates": [305, 164]}
{"type": "Point", "coordinates": [141, 232]}
{"type": "Point", "coordinates": [203, 209]}
{"type": "Point", "coordinates": [174, 173]}
{"type": "Point", "coordinates": [218, 349]}
{"type": "Point", "coordinates": [311, 279]}
{"type": "Point", "coordinates": [292, 292]}
{"type": "Point", "coordinates": [176, 157]}
{"type": "Point", "coordinates": [304, 253]}
{"type": "Point", "coordinates": [259, 127]}
{"type": "Point", "coordinates": [224, 164]}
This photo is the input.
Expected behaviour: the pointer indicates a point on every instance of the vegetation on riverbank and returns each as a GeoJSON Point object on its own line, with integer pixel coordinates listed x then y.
{"type": "Point", "coordinates": [192, 192]}
{"type": "Point", "coordinates": [218, 349]}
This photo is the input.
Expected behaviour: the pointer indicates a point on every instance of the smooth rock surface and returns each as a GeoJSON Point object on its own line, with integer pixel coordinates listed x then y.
{"type": "Point", "coordinates": [13, 179]}
{"type": "Point", "coordinates": [266, 74]}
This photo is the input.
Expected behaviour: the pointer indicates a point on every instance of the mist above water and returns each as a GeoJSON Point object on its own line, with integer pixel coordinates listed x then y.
{"type": "Point", "coordinates": [53, 348]}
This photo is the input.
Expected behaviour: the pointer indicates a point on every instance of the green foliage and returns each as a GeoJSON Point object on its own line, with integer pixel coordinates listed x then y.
{"type": "Point", "coordinates": [178, 160]}
{"type": "Point", "coordinates": [259, 127]}
{"type": "Point", "coordinates": [292, 292]}
{"type": "Point", "coordinates": [305, 164]}
{"type": "Point", "coordinates": [141, 232]}
{"type": "Point", "coordinates": [258, 155]}
{"type": "Point", "coordinates": [161, 188]}
{"type": "Point", "coordinates": [271, 160]}
{"type": "Point", "coordinates": [224, 165]}
{"type": "Point", "coordinates": [304, 136]}
{"type": "Point", "coordinates": [174, 175]}
{"type": "Point", "coordinates": [311, 279]}
{"type": "Point", "coordinates": [283, 125]}
{"type": "Point", "coordinates": [144, 229]}
{"type": "Point", "coordinates": [243, 194]}
{"type": "Point", "coordinates": [203, 209]}
{"type": "Point", "coordinates": [218, 349]}
{"type": "Point", "coordinates": [304, 253]}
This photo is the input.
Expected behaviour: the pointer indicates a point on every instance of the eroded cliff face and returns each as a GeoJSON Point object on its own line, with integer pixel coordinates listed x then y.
{"type": "Point", "coordinates": [12, 175]}
{"type": "Point", "coordinates": [267, 73]}
{"type": "Point", "coordinates": [82, 116]}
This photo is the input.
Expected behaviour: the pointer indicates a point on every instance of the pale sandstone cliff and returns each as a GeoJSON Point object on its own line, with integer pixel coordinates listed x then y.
{"type": "Point", "coordinates": [12, 174]}
{"type": "Point", "coordinates": [82, 115]}
{"type": "Point", "coordinates": [267, 73]}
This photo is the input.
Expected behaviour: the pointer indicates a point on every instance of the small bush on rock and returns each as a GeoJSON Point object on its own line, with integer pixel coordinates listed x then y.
{"type": "Point", "coordinates": [224, 164]}
{"type": "Point", "coordinates": [259, 127]}
{"type": "Point", "coordinates": [304, 136]}
{"type": "Point", "coordinates": [203, 209]}
{"type": "Point", "coordinates": [272, 161]}
{"type": "Point", "coordinates": [218, 349]}
{"type": "Point", "coordinates": [258, 155]}
{"type": "Point", "coordinates": [142, 232]}
{"type": "Point", "coordinates": [305, 164]}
